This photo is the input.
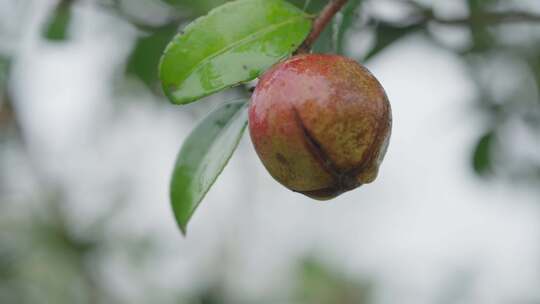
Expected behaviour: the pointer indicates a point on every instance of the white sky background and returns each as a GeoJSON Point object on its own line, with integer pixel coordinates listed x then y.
{"type": "Point", "coordinates": [426, 224]}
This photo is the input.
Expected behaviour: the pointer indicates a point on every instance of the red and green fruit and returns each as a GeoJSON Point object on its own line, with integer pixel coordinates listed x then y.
{"type": "Point", "coordinates": [320, 124]}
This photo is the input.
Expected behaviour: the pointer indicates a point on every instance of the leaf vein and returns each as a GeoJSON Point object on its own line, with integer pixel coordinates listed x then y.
{"type": "Point", "coordinates": [237, 43]}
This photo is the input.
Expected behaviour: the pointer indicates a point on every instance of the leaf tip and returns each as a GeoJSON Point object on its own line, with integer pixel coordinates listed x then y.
{"type": "Point", "coordinates": [181, 220]}
{"type": "Point", "coordinates": [183, 229]}
{"type": "Point", "coordinates": [181, 223]}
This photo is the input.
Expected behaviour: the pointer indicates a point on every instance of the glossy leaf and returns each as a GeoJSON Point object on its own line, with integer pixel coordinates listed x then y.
{"type": "Point", "coordinates": [234, 43]}
{"type": "Point", "coordinates": [203, 156]}
{"type": "Point", "coordinates": [57, 27]}
{"type": "Point", "coordinates": [482, 159]}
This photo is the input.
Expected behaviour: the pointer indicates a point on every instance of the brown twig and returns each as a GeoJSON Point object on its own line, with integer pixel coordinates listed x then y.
{"type": "Point", "coordinates": [326, 15]}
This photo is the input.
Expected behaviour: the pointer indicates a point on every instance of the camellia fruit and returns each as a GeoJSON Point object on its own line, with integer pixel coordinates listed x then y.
{"type": "Point", "coordinates": [320, 124]}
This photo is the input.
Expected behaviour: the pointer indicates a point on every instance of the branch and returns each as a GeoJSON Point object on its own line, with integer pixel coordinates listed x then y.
{"type": "Point", "coordinates": [326, 15]}
{"type": "Point", "coordinates": [425, 14]}
{"type": "Point", "coordinates": [489, 18]}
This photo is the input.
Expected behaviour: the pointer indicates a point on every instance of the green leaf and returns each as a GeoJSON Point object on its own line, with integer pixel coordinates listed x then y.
{"type": "Point", "coordinates": [482, 158]}
{"type": "Point", "coordinates": [203, 156]}
{"type": "Point", "coordinates": [348, 17]}
{"type": "Point", "coordinates": [387, 33]}
{"type": "Point", "coordinates": [58, 24]}
{"type": "Point", "coordinates": [234, 43]}
{"type": "Point", "coordinates": [145, 56]}
{"type": "Point", "coordinates": [310, 6]}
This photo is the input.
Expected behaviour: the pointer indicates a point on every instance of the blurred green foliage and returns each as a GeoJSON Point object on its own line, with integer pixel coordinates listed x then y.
{"type": "Point", "coordinates": [482, 159]}
{"type": "Point", "coordinates": [320, 284]}
{"type": "Point", "coordinates": [348, 16]}
{"type": "Point", "coordinates": [4, 66]}
{"type": "Point", "coordinates": [41, 260]}
{"type": "Point", "coordinates": [144, 58]}
{"type": "Point", "coordinates": [46, 259]}
{"type": "Point", "coordinates": [6, 109]}
{"type": "Point", "coordinates": [387, 33]}
{"type": "Point", "coordinates": [57, 28]}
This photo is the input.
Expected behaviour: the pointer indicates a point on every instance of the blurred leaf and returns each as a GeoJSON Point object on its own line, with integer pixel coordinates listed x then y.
{"type": "Point", "coordinates": [54, 230]}
{"type": "Point", "coordinates": [326, 43]}
{"type": "Point", "coordinates": [57, 27]}
{"type": "Point", "coordinates": [8, 260]}
{"type": "Point", "coordinates": [482, 38]}
{"type": "Point", "coordinates": [211, 296]}
{"type": "Point", "coordinates": [7, 114]}
{"type": "Point", "coordinates": [233, 44]}
{"type": "Point", "coordinates": [534, 65]}
{"type": "Point", "coordinates": [348, 17]}
{"type": "Point", "coordinates": [386, 34]}
{"type": "Point", "coordinates": [479, 5]}
{"type": "Point", "coordinates": [4, 71]}
{"type": "Point", "coordinates": [196, 8]}
{"type": "Point", "coordinates": [203, 156]}
{"type": "Point", "coordinates": [145, 56]}
{"type": "Point", "coordinates": [322, 285]}
{"type": "Point", "coordinates": [482, 156]}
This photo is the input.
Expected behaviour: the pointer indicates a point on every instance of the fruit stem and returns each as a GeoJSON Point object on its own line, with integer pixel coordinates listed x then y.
{"type": "Point", "coordinates": [325, 16]}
